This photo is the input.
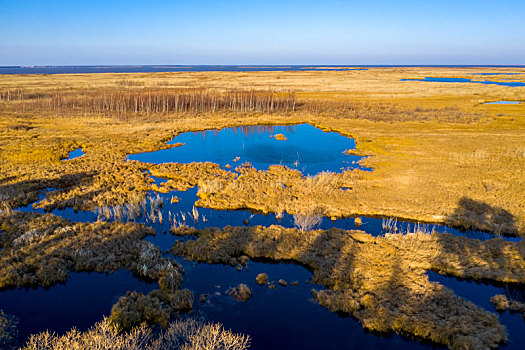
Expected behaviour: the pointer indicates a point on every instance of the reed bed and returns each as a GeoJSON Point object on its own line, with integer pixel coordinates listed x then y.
{"type": "Point", "coordinates": [152, 101]}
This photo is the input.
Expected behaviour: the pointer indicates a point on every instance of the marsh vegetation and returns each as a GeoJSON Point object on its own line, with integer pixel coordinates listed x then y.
{"type": "Point", "coordinates": [436, 155]}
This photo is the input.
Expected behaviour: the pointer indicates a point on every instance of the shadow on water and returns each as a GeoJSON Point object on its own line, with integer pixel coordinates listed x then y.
{"type": "Point", "coordinates": [80, 302]}
{"type": "Point", "coordinates": [283, 318]}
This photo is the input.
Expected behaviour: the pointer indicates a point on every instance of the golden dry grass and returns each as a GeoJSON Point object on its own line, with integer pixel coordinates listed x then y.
{"type": "Point", "coordinates": [433, 146]}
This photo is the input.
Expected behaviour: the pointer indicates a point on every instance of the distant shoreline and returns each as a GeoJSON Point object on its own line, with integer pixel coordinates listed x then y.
{"type": "Point", "coordinates": [85, 69]}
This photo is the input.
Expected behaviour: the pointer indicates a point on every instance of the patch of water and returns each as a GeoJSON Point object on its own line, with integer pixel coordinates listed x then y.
{"type": "Point", "coordinates": [184, 210]}
{"type": "Point", "coordinates": [502, 103]}
{"type": "Point", "coordinates": [283, 318]}
{"type": "Point", "coordinates": [480, 293]}
{"type": "Point", "coordinates": [75, 154]}
{"type": "Point", "coordinates": [306, 148]}
{"type": "Point", "coordinates": [80, 302]}
{"type": "Point", "coordinates": [495, 73]}
{"type": "Point", "coordinates": [464, 80]}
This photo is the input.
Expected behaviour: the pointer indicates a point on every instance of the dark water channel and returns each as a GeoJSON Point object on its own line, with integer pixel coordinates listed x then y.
{"type": "Point", "coordinates": [285, 317]}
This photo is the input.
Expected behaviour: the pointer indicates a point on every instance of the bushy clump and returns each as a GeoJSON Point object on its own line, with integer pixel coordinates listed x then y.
{"type": "Point", "coordinates": [262, 278]}
{"type": "Point", "coordinates": [306, 221]}
{"type": "Point", "coordinates": [241, 293]}
{"type": "Point", "coordinates": [502, 303]}
{"type": "Point", "coordinates": [8, 331]}
{"type": "Point", "coordinates": [156, 307]}
{"type": "Point", "coordinates": [187, 334]}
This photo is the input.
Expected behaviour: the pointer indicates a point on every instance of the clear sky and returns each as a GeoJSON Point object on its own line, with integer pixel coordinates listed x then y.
{"type": "Point", "coordinates": [92, 32]}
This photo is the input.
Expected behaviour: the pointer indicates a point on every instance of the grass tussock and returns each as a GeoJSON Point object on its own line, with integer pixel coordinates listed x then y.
{"type": "Point", "coordinates": [187, 334]}
{"type": "Point", "coordinates": [502, 303]}
{"type": "Point", "coordinates": [155, 308]}
{"type": "Point", "coordinates": [381, 281]}
{"type": "Point", "coordinates": [42, 250]}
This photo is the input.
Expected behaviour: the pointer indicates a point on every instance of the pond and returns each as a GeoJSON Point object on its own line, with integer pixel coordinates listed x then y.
{"type": "Point", "coordinates": [302, 147]}
{"type": "Point", "coordinates": [464, 80]}
{"type": "Point", "coordinates": [75, 154]}
{"type": "Point", "coordinates": [502, 103]}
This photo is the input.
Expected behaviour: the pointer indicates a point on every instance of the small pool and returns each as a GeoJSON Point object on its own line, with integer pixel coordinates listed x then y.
{"type": "Point", "coordinates": [75, 154]}
{"type": "Point", "coordinates": [464, 80]}
{"type": "Point", "coordinates": [302, 147]}
{"type": "Point", "coordinates": [502, 103]}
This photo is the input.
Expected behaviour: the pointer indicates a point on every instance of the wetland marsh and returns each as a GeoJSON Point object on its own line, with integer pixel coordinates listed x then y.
{"type": "Point", "coordinates": [350, 186]}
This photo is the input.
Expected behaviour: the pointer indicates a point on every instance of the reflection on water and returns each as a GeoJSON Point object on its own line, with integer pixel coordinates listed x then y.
{"type": "Point", "coordinates": [306, 148]}
{"type": "Point", "coordinates": [283, 318]}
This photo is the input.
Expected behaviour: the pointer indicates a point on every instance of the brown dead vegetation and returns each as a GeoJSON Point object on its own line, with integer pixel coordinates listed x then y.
{"type": "Point", "coordinates": [41, 250]}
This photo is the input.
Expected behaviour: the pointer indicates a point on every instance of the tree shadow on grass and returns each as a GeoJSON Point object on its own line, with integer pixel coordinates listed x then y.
{"type": "Point", "coordinates": [473, 214]}
{"type": "Point", "coordinates": [22, 193]}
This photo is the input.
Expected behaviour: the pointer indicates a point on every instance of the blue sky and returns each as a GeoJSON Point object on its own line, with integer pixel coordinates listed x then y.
{"type": "Point", "coordinates": [261, 32]}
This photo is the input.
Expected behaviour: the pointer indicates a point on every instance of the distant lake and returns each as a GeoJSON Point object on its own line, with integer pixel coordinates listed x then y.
{"type": "Point", "coordinates": [464, 80]}
{"type": "Point", "coordinates": [203, 68]}
{"type": "Point", "coordinates": [166, 68]}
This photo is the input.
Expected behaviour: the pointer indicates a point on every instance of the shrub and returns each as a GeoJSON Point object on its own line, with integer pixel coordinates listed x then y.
{"type": "Point", "coordinates": [183, 334]}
